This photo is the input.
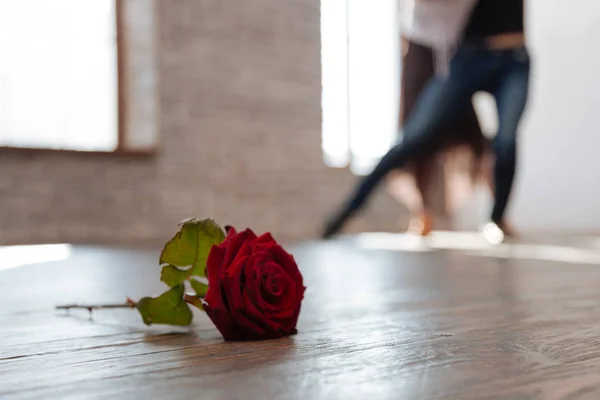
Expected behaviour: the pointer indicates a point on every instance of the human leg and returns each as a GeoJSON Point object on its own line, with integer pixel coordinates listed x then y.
{"type": "Point", "coordinates": [511, 98]}
{"type": "Point", "coordinates": [417, 71]}
{"type": "Point", "coordinates": [438, 105]}
{"type": "Point", "coordinates": [422, 222]}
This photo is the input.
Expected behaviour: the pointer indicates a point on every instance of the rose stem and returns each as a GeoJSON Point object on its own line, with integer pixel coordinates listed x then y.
{"type": "Point", "coordinates": [129, 304]}
{"type": "Point", "coordinates": [193, 300]}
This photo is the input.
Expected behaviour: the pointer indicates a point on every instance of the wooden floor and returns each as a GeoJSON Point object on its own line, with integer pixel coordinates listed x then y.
{"type": "Point", "coordinates": [385, 317]}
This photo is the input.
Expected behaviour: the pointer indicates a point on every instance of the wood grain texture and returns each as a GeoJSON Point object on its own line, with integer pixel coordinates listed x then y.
{"type": "Point", "coordinates": [375, 324]}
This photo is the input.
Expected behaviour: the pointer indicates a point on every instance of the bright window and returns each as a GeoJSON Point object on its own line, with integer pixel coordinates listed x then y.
{"type": "Point", "coordinates": [58, 74]}
{"type": "Point", "coordinates": [361, 69]}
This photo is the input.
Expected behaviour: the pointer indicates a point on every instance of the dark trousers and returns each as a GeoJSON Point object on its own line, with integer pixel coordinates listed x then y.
{"type": "Point", "coordinates": [502, 73]}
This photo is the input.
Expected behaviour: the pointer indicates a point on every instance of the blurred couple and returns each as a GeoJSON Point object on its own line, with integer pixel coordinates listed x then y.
{"type": "Point", "coordinates": [451, 50]}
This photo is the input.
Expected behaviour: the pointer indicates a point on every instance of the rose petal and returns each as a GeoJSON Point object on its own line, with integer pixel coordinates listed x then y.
{"type": "Point", "coordinates": [250, 306]}
{"type": "Point", "coordinates": [252, 300]}
{"type": "Point", "coordinates": [233, 289]}
{"type": "Point", "coordinates": [266, 238]}
{"type": "Point", "coordinates": [273, 282]}
{"type": "Point", "coordinates": [281, 308]}
{"type": "Point", "coordinates": [214, 264]}
{"type": "Point", "coordinates": [252, 275]}
{"type": "Point", "coordinates": [227, 327]}
{"type": "Point", "coordinates": [222, 321]}
{"type": "Point", "coordinates": [234, 243]}
{"type": "Point", "coordinates": [294, 321]}
{"type": "Point", "coordinates": [231, 281]}
{"type": "Point", "coordinates": [241, 319]}
{"type": "Point", "coordinates": [255, 315]}
{"type": "Point", "coordinates": [287, 261]}
{"type": "Point", "coordinates": [262, 272]}
{"type": "Point", "coordinates": [243, 253]}
{"type": "Point", "coordinates": [287, 315]}
{"type": "Point", "coordinates": [274, 285]}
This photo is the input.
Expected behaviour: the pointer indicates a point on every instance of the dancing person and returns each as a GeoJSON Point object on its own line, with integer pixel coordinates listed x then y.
{"type": "Point", "coordinates": [492, 57]}
{"type": "Point", "coordinates": [419, 66]}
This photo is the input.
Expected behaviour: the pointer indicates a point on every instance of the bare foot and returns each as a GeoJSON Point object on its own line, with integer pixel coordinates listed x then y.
{"type": "Point", "coordinates": [421, 224]}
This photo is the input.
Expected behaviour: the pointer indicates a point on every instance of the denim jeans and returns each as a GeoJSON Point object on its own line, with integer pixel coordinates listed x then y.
{"type": "Point", "coordinates": [502, 73]}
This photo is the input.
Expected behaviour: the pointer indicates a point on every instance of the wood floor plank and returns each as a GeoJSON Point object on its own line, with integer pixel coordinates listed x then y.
{"type": "Point", "coordinates": [387, 324]}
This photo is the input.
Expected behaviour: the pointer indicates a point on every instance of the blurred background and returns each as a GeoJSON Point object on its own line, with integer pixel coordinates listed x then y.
{"type": "Point", "coordinates": [119, 118]}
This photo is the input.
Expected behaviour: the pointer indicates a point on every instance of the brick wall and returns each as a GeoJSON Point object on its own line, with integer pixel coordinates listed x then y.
{"type": "Point", "coordinates": [240, 118]}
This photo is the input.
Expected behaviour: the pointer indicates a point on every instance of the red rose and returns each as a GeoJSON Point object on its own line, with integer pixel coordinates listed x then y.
{"type": "Point", "coordinates": [254, 287]}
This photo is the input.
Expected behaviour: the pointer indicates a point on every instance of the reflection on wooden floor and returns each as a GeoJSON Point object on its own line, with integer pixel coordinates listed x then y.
{"type": "Point", "coordinates": [385, 317]}
{"type": "Point", "coordinates": [573, 250]}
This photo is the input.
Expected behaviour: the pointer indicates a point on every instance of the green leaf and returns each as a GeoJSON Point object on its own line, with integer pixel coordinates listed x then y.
{"type": "Point", "coordinates": [172, 275]}
{"type": "Point", "coordinates": [191, 245]}
{"type": "Point", "coordinates": [169, 308]}
{"type": "Point", "coordinates": [199, 287]}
